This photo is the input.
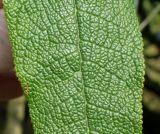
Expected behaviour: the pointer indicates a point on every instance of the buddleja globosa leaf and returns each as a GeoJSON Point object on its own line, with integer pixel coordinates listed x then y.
{"type": "Point", "coordinates": [80, 63]}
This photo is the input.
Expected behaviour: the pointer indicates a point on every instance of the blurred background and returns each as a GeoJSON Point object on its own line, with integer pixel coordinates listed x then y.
{"type": "Point", "coordinates": [14, 114]}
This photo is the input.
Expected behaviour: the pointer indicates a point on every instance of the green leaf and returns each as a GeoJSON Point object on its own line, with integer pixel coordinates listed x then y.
{"type": "Point", "coordinates": [80, 63]}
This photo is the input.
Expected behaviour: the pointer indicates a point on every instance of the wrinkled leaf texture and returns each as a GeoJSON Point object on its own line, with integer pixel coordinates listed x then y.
{"type": "Point", "coordinates": [80, 63]}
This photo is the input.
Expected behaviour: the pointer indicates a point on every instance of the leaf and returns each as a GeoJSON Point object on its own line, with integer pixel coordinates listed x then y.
{"type": "Point", "coordinates": [80, 63]}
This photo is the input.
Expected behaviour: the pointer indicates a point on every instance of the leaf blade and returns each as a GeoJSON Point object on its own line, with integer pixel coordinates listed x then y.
{"type": "Point", "coordinates": [82, 64]}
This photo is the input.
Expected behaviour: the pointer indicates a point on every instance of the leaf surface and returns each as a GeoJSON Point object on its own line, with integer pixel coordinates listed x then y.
{"type": "Point", "coordinates": [80, 63]}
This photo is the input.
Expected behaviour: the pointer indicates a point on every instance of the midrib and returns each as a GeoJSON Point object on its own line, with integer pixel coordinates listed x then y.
{"type": "Point", "coordinates": [81, 60]}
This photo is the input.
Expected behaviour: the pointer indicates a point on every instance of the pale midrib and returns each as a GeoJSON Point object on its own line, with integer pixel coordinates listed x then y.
{"type": "Point", "coordinates": [79, 49]}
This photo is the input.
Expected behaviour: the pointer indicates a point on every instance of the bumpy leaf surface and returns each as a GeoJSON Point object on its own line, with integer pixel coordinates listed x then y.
{"type": "Point", "coordinates": [80, 63]}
